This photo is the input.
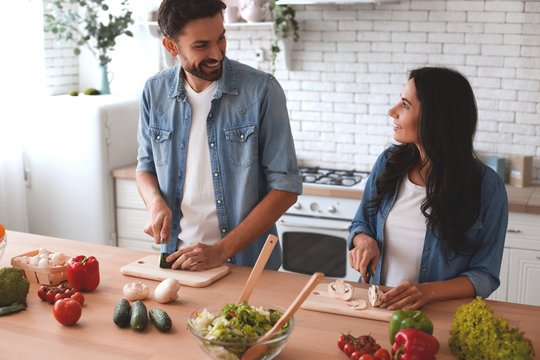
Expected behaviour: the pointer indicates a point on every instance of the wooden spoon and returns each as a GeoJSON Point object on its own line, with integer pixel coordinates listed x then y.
{"type": "Point", "coordinates": [259, 349]}
{"type": "Point", "coordinates": [271, 241]}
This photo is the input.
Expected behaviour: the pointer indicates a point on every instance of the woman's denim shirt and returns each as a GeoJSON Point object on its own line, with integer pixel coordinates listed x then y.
{"type": "Point", "coordinates": [489, 231]}
{"type": "Point", "coordinates": [249, 139]}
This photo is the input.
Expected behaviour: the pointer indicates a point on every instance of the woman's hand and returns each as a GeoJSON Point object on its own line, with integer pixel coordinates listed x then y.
{"type": "Point", "coordinates": [406, 295]}
{"type": "Point", "coordinates": [365, 252]}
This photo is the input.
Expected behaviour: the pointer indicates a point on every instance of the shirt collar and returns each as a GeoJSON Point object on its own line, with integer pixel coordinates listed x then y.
{"type": "Point", "coordinates": [227, 84]}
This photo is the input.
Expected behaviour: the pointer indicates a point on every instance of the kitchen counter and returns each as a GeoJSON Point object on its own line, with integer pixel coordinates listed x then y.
{"type": "Point", "coordinates": [35, 333]}
{"type": "Point", "coordinates": [525, 200]}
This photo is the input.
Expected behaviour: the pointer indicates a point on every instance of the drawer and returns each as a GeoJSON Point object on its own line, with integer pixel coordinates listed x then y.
{"type": "Point", "coordinates": [127, 195]}
{"type": "Point", "coordinates": [523, 284]}
{"type": "Point", "coordinates": [147, 245]}
{"type": "Point", "coordinates": [130, 223]}
{"type": "Point", "coordinates": [523, 231]}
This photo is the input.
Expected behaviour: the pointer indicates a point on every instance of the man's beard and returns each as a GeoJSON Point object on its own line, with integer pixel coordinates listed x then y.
{"type": "Point", "coordinates": [200, 72]}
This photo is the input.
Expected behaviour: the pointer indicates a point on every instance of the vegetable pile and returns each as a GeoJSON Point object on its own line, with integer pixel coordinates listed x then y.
{"type": "Point", "coordinates": [13, 290]}
{"type": "Point", "coordinates": [476, 335]}
{"type": "Point", "coordinates": [362, 348]}
{"type": "Point", "coordinates": [52, 294]}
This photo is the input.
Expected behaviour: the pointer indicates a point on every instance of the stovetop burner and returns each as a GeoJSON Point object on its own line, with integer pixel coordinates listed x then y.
{"type": "Point", "coordinates": [316, 175]}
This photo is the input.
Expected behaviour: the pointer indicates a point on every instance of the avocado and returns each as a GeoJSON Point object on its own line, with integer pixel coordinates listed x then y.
{"type": "Point", "coordinates": [160, 319]}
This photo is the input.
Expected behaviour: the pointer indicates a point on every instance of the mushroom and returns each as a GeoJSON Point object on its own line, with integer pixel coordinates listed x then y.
{"type": "Point", "coordinates": [167, 290]}
{"type": "Point", "coordinates": [136, 291]}
{"type": "Point", "coordinates": [374, 295]}
{"type": "Point", "coordinates": [357, 304]}
{"type": "Point", "coordinates": [340, 290]}
{"type": "Point", "coordinates": [57, 259]}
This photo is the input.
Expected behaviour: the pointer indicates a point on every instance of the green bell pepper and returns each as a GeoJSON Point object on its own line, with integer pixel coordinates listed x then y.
{"type": "Point", "coordinates": [409, 319]}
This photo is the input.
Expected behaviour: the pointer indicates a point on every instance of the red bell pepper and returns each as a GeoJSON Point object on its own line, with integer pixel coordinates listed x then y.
{"type": "Point", "coordinates": [414, 344]}
{"type": "Point", "coordinates": [83, 273]}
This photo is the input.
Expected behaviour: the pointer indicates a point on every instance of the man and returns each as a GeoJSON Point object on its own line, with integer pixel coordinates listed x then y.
{"type": "Point", "coordinates": [216, 160]}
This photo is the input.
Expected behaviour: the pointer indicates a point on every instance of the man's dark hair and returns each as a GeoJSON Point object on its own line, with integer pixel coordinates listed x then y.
{"type": "Point", "coordinates": [173, 15]}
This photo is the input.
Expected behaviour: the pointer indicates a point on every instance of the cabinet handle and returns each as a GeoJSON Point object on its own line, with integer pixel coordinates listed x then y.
{"type": "Point", "coordinates": [515, 231]}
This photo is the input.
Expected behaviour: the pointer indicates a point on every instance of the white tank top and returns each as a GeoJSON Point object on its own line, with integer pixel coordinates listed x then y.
{"type": "Point", "coordinates": [199, 222]}
{"type": "Point", "coordinates": [404, 234]}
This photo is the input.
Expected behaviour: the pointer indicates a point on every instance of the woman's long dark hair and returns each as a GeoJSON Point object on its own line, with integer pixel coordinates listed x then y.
{"type": "Point", "coordinates": [447, 123]}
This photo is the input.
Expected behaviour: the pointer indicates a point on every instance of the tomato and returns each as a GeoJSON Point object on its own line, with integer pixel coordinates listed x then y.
{"type": "Point", "coordinates": [61, 295]}
{"type": "Point", "coordinates": [51, 294]}
{"type": "Point", "coordinates": [42, 292]}
{"type": "Point", "coordinates": [67, 311]}
{"type": "Point", "coordinates": [348, 349]}
{"type": "Point", "coordinates": [382, 354]}
{"type": "Point", "coordinates": [356, 355]}
{"type": "Point", "coordinates": [367, 357]}
{"type": "Point", "coordinates": [341, 342]}
{"type": "Point", "coordinates": [79, 297]}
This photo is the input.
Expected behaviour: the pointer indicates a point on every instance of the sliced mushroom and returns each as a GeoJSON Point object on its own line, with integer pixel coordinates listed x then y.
{"type": "Point", "coordinates": [374, 295]}
{"type": "Point", "coordinates": [340, 290]}
{"type": "Point", "coordinates": [357, 304]}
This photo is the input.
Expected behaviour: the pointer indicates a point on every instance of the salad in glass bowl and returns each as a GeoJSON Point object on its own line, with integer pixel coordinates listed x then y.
{"type": "Point", "coordinates": [228, 333]}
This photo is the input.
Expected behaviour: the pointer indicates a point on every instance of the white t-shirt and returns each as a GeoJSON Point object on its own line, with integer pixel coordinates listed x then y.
{"type": "Point", "coordinates": [199, 222]}
{"type": "Point", "coordinates": [404, 234]}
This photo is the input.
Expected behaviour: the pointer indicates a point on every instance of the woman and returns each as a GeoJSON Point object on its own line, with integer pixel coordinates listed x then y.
{"type": "Point", "coordinates": [433, 218]}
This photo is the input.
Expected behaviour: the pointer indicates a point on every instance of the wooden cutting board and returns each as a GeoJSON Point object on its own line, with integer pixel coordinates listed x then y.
{"type": "Point", "coordinates": [148, 268]}
{"type": "Point", "coordinates": [320, 300]}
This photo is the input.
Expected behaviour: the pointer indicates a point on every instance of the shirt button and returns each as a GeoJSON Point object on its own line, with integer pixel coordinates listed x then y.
{"type": "Point", "coordinates": [183, 146]}
{"type": "Point", "coordinates": [216, 174]}
{"type": "Point", "coordinates": [212, 144]}
{"type": "Point", "coordinates": [210, 115]}
{"type": "Point", "coordinates": [241, 136]}
{"type": "Point", "coordinates": [223, 230]}
{"type": "Point", "coordinates": [187, 116]}
{"type": "Point", "coordinates": [219, 201]}
{"type": "Point", "coordinates": [427, 249]}
{"type": "Point", "coordinates": [424, 269]}
{"type": "Point", "coordinates": [157, 137]}
{"type": "Point", "coordinates": [180, 173]}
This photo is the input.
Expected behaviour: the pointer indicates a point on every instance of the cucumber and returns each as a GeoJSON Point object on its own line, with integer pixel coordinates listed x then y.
{"type": "Point", "coordinates": [122, 313]}
{"type": "Point", "coordinates": [164, 264]}
{"type": "Point", "coordinates": [160, 319]}
{"type": "Point", "coordinates": [139, 316]}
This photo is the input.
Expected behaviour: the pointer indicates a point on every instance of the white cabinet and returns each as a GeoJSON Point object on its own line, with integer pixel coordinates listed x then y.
{"type": "Point", "coordinates": [131, 218]}
{"type": "Point", "coordinates": [521, 261]}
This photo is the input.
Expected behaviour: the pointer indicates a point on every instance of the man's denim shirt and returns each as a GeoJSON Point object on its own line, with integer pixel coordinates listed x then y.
{"type": "Point", "coordinates": [249, 139]}
{"type": "Point", "coordinates": [489, 230]}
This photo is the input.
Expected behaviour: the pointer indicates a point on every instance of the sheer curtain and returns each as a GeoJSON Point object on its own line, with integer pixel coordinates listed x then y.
{"type": "Point", "coordinates": [21, 90]}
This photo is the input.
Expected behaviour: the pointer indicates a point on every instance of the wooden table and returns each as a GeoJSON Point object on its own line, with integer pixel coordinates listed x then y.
{"type": "Point", "coordinates": [35, 334]}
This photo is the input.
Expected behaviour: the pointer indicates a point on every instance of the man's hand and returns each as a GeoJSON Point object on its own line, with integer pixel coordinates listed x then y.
{"type": "Point", "coordinates": [197, 257]}
{"type": "Point", "coordinates": [158, 224]}
{"type": "Point", "coordinates": [365, 252]}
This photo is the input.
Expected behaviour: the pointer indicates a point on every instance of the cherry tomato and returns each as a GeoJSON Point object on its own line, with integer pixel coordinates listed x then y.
{"type": "Point", "coordinates": [79, 297]}
{"type": "Point", "coordinates": [61, 295]}
{"type": "Point", "coordinates": [356, 355]}
{"type": "Point", "coordinates": [348, 349]}
{"type": "Point", "coordinates": [42, 292]}
{"type": "Point", "coordinates": [367, 357]}
{"type": "Point", "coordinates": [67, 311]}
{"type": "Point", "coordinates": [341, 342]}
{"type": "Point", "coordinates": [382, 354]}
{"type": "Point", "coordinates": [51, 294]}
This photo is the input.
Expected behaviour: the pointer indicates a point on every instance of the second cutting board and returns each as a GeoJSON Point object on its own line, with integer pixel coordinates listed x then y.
{"type": "Point", "coordinates": [148, 268]}
{"type": "Point", "coordinates": [320, 300]}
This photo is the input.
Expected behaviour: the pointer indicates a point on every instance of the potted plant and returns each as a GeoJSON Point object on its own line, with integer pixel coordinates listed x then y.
{"type": "Point", "coordinates": [64, 19]}
{"type": "Point", "coordinates": [285, 27]}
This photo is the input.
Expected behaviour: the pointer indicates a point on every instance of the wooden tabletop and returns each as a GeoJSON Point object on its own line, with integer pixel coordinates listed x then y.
{"type": "Point", "coordinates": [34, 333]}
{"type": "Point", "coordinates": [526, 200]}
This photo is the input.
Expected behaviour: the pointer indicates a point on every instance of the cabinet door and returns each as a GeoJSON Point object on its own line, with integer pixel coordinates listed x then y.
{"type": "Point", "coordinates": [501, 293]}
{"type": "Point", "coordinates": [523, 284]}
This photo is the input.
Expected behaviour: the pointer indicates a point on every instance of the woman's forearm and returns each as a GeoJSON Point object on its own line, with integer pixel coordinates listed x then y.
{"type": "Point", "coordinates": [459, 287]}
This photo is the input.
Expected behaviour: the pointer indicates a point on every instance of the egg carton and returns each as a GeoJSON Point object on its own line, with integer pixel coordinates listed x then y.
{"type": "Point", "coordinates": [52, 275]}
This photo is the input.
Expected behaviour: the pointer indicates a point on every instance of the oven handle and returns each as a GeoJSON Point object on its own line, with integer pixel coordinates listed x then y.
{"type": "Point", "coordinates": [285, 223]}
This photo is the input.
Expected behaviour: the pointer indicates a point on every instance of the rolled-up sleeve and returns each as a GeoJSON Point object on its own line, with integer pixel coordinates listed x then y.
{"type": "Point", "coordinates": [276, 144]}
{"type": "Point", "coordinates": [485, 265]}
{"type": "Point", "coordinates": [145, 157]}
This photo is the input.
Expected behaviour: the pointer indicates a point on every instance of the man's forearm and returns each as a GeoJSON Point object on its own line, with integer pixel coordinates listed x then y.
{"type": "Point", "coordinates": [259, 220]}
{"type": "Point", "coordinates": [148, 187]}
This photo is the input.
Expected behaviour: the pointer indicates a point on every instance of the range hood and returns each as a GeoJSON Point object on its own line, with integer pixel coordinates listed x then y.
{"type": "Point", "coordinates": [314, 2]}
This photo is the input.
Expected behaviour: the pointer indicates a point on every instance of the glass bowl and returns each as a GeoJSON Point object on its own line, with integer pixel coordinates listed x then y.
{"type": "Point", "coordinates": [3, 244]}
{"type": "Point", "coordinates": [220, 350]}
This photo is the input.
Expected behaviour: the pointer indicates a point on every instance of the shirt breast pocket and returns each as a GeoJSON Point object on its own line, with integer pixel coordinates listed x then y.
{"type": "Point", "coordinates": [475, 230]}
{"type": "Point", "coordinates": [241, 143]}
{"type": "Point", "coordinates": [161, 144]}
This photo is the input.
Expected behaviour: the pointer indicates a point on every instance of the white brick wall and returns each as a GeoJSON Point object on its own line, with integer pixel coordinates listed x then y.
{"type": "Point", "coordinates": [352, 60]}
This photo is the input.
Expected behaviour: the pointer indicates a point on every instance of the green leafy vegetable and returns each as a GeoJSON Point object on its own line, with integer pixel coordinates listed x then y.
{"type": "Point", "coordinates": [477, 335]}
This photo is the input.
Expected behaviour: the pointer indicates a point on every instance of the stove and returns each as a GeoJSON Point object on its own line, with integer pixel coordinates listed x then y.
{"type": "Point", "coordinates": [321, 176]}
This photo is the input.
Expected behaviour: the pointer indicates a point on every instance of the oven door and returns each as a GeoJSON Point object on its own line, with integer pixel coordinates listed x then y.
{"type": "Point", "coordinates": [315, 245]}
